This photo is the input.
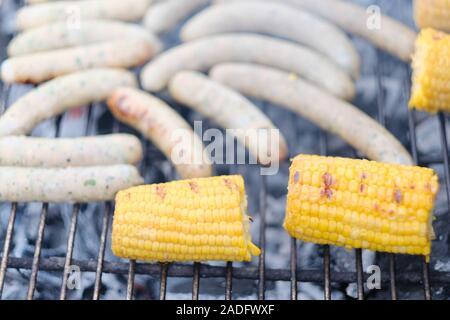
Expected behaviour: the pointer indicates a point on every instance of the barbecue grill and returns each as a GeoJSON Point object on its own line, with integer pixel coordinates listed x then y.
{"type": "Point", "coordinates": [418, 277]}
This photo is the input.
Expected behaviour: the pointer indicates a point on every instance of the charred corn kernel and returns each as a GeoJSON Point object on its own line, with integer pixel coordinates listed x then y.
{"type": "Point", "coordinates": [191, 220]}
{"type": "Point", "coordinates": [431, 72]}
{"type": "Point", "coordinates": [381, 222]}
{"type": "Point", "coordinates": [432, 14]}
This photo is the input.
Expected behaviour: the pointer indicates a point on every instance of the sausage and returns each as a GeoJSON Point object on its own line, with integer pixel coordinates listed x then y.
{"type": "Point", "coordinates": [44, 13]}
{"type": "Point", "coordinates": [163, 17]}
{"type": "Point", "coordinates": [326, 111]}
{"type": "Point", "coordinates": [393, 36]}
{"type": "Point", "coordinates": [39, 67]}
{"type": "Point", "coordinates": [60, 35]}
{"type": "Point", "coordinates": [231, 111]}
{"type": "Point", "coordinates": [165, 128]}
{"type": "Point", "coordinates": [62, 94]}
{"type": "Point", "coordinates": [70, 152]}
{"type": "Point", "coordinates": [81, 185]}
{"type": "Point", "coordinates": [278, 20]}
{"type": "Point", "coordinates": [202, 54]}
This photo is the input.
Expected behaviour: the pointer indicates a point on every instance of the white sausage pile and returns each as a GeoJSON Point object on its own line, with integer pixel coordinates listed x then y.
{"type": "Point", "coordinates": [292, 53]}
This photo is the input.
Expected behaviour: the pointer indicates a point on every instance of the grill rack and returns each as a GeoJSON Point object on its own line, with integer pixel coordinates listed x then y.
{"type": "Point", "coordinates": [197, 271]}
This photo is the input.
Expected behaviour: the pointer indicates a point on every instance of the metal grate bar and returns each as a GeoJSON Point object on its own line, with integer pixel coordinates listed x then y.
{"type": "Point", "coordinates": [7, 246]}
{"type": "Point", "coordinates": [70, 245]}
{"type": "Point", "coordinates": [444, 143]}
{"type": "Point", "coordinates": [163, 284]}
{"type": "Point", "coordinates": [37, 252]}
{"type": "Point", "coordinates": [425, 267]}
{"type": "Point", "coordinates": [327, 272]}
{"type": "Point", "coordinates": [392, 276]}
{"type": "Point", "coordinates": [229, 281]}
{"type": "Point", "coordinates": [262, 239]}
{"type": "Point", "coordinates": [101, 251]}
{"type": "Point", "coordinates": [294, 285]}
{"type": "Point", "coordinates": [196, 281]}
{"type": "Point", "coordinates": [130, 283]}
{"type": "Point", "coordinates": [382, 119]}
{"type": "Point", "coordinates": [359, 274]}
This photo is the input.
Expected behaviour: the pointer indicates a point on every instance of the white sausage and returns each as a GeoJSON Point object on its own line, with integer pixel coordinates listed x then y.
{"type": "Point", "coordinates": [59, 35]}
{"type": "Point", "coordinates": [202, 54]}
{"type": "Point", "coordinates": [392, 35]}
{"type": "Point", "coordinates": [83, 184]}
{"type": "Point", "coordinates": [163, 17]}
{"type": "Point", "coordinates": [70, 152]}
{"type": "Point", "coordinates": [73, 11]}
{"type": "Point", "coordinates": [278, 20]}
{"type": "Point", "coordinates": [165, 128]}
{"type": "Point", "coordinates": [42, 66]}
{"type": "Point", "coordinates": [231, 111]}
{"type": "Point", "coordinates": [61, 94]}
{"type": "Point", "coordinates": [326, 111]}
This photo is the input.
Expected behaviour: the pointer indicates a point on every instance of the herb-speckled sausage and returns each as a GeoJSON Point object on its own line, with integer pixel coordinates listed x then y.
{"type": "Point", "coordinates": [83, 184]}
{"type": "Point", "coordinates": [42, 66]}
{"type": "Point", "coordinates": [328, 112]}
{"type": "Point", "coordinates": [70, 152]}
{"type": "Point", "coordinates": [61, 94]}
{"type": "Point", "coordinates": [59, 35]}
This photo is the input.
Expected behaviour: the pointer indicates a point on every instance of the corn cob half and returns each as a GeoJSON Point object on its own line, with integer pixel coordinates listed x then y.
{"type": "Point", "coordinates": [191, 220]}
{"type": "Point", "coordinates": [361, 204]}
{"type": "Point", "coordinates": [431, 72]}
{"type": "Point", "coordinates": [432, 14]}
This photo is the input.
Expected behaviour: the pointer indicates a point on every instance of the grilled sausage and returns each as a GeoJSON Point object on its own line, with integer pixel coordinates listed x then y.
{"type": "Point", "coordinates": [278, 20]}
{"type": "Point", "coordinates": [59, 95]}
{"type": "Point", "coordinates": [83, 184]}
{"type": "Point", "coordinates": [202, 54]}
{"type": "Point", "coordinates": [164, 127]}
{"type": "Point", "coordinates": [44, 13]}
{"type": "Point", "coordinates": [70, 152]}
{"type": "Point", "coordinates": [231, 111]}
{"type": "Point", "coordinates": [163, 17]}
{"type": "Point", "coordinates": [326, 111]}
{"type": "Point", "coordinates": [42, 66]}
{"type": "Point", "coordinates": [59, 35]}
{"type": "Point", "coordinates": [391, 36]}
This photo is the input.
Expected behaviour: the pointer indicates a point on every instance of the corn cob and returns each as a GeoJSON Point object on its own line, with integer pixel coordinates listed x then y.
{"type": "Point", "coordinates": [361, 204]}
{"type": "Point", "coordinates": [432, 14]}
{"type": "Point", "coordinates": [192, 220]}
{"type": "Point", "coordinates": [431, 72]}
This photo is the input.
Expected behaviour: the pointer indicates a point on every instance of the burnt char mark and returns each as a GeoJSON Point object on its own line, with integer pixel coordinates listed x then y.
{"type": "Point", "coordinates": [230, 184]}
{"type": "Point", "coordinates": [398, 196]}
{"type": "Point", "coordinates": [328, 182]}
{"type": "Point", "coordinates": [161, 192]}
{"type": "Point", "coordinates": [194, 187]}
{"type": "Point", "coordinates": [296, 178]}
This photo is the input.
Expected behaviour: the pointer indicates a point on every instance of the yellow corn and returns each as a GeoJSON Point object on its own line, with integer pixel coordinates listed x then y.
{"type": "Point", "coordinates": [432, 14]}
{"type": "Point", "coordinates": [431, 72]}
{"type": "Point", "coordinates": [191, 220]}
{"type": "Point", "coordinates": [361, 204]}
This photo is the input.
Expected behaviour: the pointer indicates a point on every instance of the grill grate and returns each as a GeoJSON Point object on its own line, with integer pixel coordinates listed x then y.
{"type": "Point", "coordinates": [197, 271]}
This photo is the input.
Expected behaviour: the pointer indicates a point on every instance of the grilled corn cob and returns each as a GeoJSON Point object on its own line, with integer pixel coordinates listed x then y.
{"type": "Point", "coordinates": [361, 204]}
{"type": "Point", "coordinates": [431, 72]}
{"type": "Point", "coordinates": [432, 13]}
{"type": "Point", "coordinates": [191, 220]}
